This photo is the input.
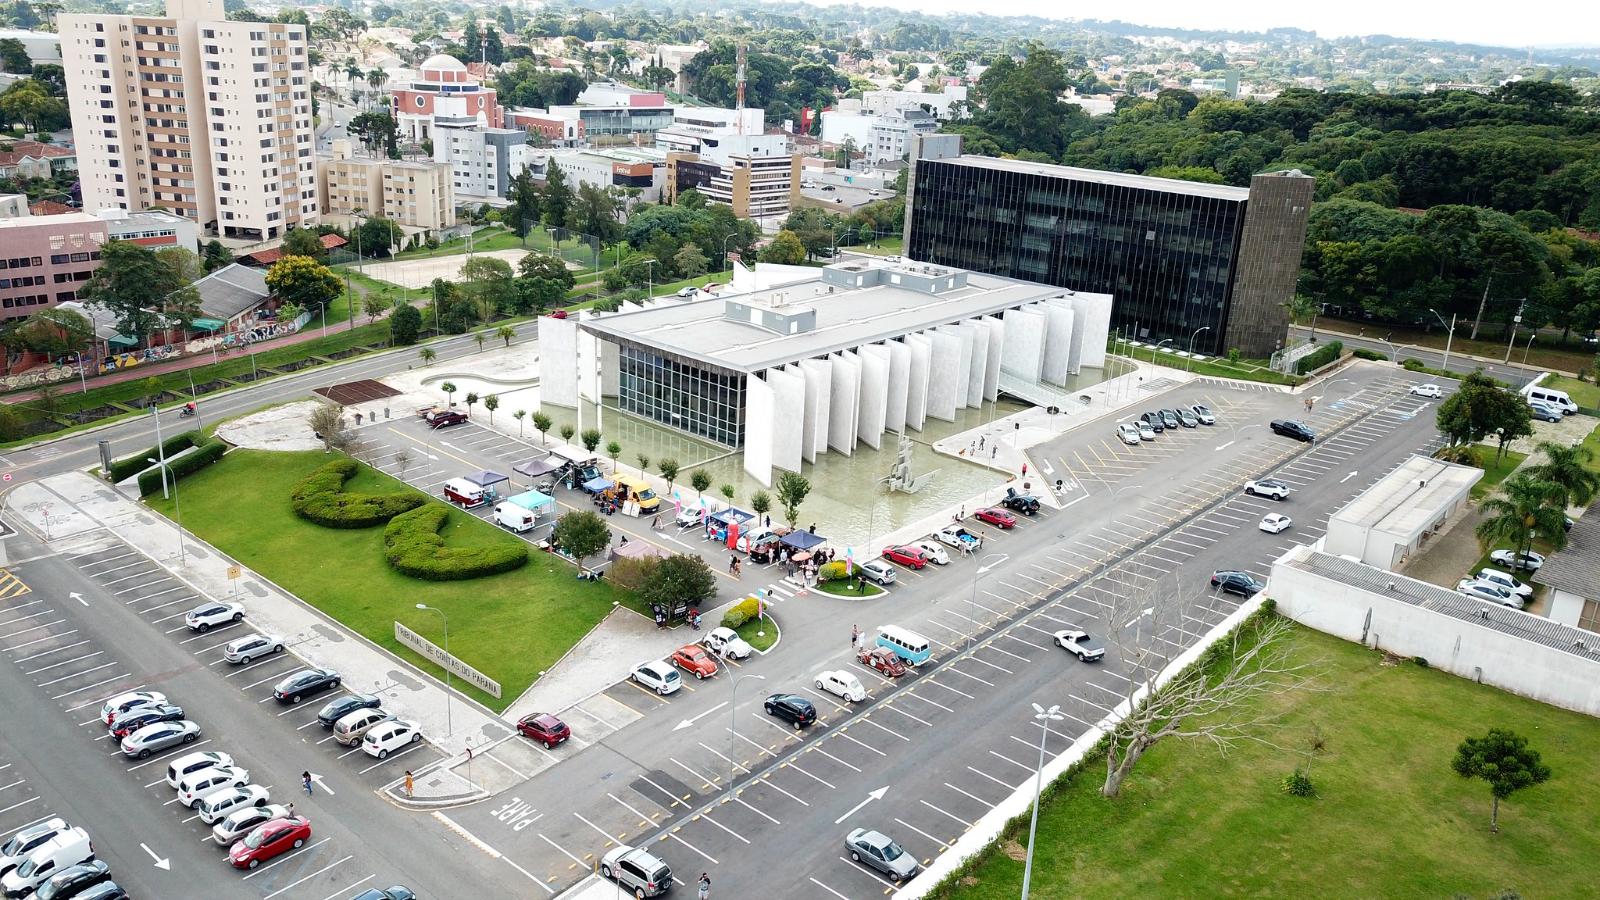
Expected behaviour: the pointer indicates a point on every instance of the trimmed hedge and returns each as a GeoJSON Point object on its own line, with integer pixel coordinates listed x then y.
{"type": "Point", "coordinates": [1318, 358]}
{"type": "Point", "coordinates": [413, 546]}
{"type": "Point", "coordinates": [133, 465]}
{"type": "Point", "coordinates": [1364, 353]}
{"type": "Point", "coordinates": [739, 613]}
{"type": "Point", "coordinates": [204, 455]}
{"type": "Point", "coordinates": [321, 498]}
{"type": "Point", "coordinates": [833, 571]}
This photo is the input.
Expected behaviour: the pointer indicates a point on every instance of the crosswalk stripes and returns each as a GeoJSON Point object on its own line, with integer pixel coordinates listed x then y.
{"type": "Point", "coordinates": [12, 586]}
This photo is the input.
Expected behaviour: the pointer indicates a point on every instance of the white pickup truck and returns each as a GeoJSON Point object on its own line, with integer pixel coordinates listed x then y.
{"type": "Point", "coordinates": [959, 538]}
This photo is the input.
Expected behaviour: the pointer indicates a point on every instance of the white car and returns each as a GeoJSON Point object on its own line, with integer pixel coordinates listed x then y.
{"type": "Point", "coordinates": [690, 516]}
{"type": "Point", "coordinates": [195, 785]}
{"type": "Point", "coordinates": [1273, 523]}
{"type": "Point", "coordinates": [1267, 487]}
{"type": "Point", "coordinates": [1430, 391]}
{"type": "Point", "coordinates": [203, 618]}
{"type": "Point", "coordinates": [241, 822]}
{"type": "Point", "coordinates": [386, 737]}
{"type": "Point", "coordinates": [842, 684]}
{"type": "Point", "coordinates": [959, 538]}
{"type": "Point", "coordinates": [726, 643]}
{"type": "Point", "coordinates": [688, 291]}
{"type": "Point", "coordinates": [1128, 433]}
{"type": "Point", "coordinates": [1080, 644]}
{"type": "Point", "coordinates": [1527, 561]}
{"type": "Point", "coordinates": [241, 651]}
{"type": "Point", "coordinates": [217, 804]}
{"type": "Point", "coordinates": [121, 703]}
{"type": "Point", "coordinates": [1493, 593]}
{"type": "Point", "coordinates": [657, 676]}
{"type": "Point", "coordinates": [936, 554]}
{"type": "Point", "coordinates": [1504, 579]}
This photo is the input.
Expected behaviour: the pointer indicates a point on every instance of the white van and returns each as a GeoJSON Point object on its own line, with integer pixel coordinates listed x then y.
{"type": "Point", "coordinates": [68, 848]}
{"type": "Point", "coordinates": [510, 515]}
{"type": "Point", "coordinates": [1551, 397]}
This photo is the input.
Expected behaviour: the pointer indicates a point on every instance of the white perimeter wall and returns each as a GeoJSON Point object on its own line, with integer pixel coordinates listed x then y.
{"type": "Point", "coordinates": [558, 361]}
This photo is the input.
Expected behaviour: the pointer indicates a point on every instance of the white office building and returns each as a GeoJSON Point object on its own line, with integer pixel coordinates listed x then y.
{"type": "Point", "coordinates": [942, 104]}
{"type": "Point", "coordinates": [482, 161]}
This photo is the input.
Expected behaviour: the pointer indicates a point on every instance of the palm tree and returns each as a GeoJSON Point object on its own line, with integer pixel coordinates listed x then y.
{"type": "Point", "coordinates": [506, 333]}
{"type": "Point", "coordinates": [449, 389]}
{"type": "Point", "coordinates": [428, 355]}
{"type": "Point", "coordinates": [352, 71]}
{"type": "Point", "coordinates": [1567, 469]}
{"type": "Point", "coordinates": [1528, 507]}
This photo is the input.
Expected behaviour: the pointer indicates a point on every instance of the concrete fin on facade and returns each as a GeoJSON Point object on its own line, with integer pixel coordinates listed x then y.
{"type": "Point", "coordinates": [874, 395]}
{"type": "Point", "coordinates": [819, 395]}
{"type": "Point", "coordinates": [894, 415]}
{"type": "Point", "coordinates": [975, 336]}
{"type": "Point", "coordinates": [558, 351]}
{"type": "Point", "coordinates": [945, 377]}
{"type": "Point", "coordinates": [1094, 320]}
{"type": "Point", "coordinates": [920, 354]}
{"type": "Point", "coordinates": [759, 435]}
{"type": "Point", "coordinates": [1024, 343]}
{"type": "Point", "coordinates": [1057, 362]}
{"type": "Point", "coordinates": [996, 330]}
{"type": "Point", "coordinates": [788, 401]}
{"type": "Point", "coordinates": [846, 394]}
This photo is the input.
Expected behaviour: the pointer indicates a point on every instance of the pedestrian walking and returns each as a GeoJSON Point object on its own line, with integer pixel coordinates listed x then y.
{"type": "Point", "coordinates": [655, 523]}
{"type": "Point", "coordinates": [1024, 470]}
{"type": "Point", "coordinates": [855, 635]}
{"type": "Point", "coordinates": [1308, 404]}
{"type": "Point", "coordinates": [358, 420]}
{"type": "Point", "coordinates": [767, 520]}
{"type": "Point", "coordinates": [980, 441]}
{"type": "Point", "coordinates": [992, 451]}
{"type": "Point", "coordinates": [410, 783]}
{"type": "Point", "coordinates": [305, 782]}
{"type": "Point", "coordinates": [705, 886]}
{"type": "Point", "coordinates": [813, 528]}
{"type": "Point", "coordinates": [733, 564]}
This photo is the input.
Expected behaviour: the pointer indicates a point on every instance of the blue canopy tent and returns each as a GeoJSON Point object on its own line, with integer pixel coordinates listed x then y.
{"type": "Point", "coordinates": [732, 516]}
{"type": "Point", "coordinates": [596, 485]}
{"type": "Point", "coordinates": [802, 540]}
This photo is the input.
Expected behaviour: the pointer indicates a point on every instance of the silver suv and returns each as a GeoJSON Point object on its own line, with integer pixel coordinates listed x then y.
{"type": "Point", "coordinates": [637, 871]}
{"type": "Point", "coordinates": [877, 570]}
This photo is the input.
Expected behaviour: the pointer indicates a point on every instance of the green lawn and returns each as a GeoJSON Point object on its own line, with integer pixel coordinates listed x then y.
{"type": "Point", "coordinates": [847, 589]}
{"type": "Point", "coordinates": [1584, 393]}
{"type": "Point", "coordinates": [759, 634]}
{"type": "Point", "coordinates": [1219, 367]}
{"type": "Point", "coordinates": [1495, 469]}
{"type": "Point", "coordinates": [1390, 819]}
{"type": "Point", "coordinates": [510, 626]}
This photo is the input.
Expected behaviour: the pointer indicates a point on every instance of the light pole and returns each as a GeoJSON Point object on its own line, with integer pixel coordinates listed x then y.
{"type": "Point", "coordinates": [725, 260]}
{"type": "Point", "coordinates": [349, 295]}
{"type": "Point", "coordinates": [177, 505]}
{"type": "Point", "coordinates": [1394, 355]}
{"type": "Point", "coordinates": [1043, 717]}
{"type": "Point", "coordinates": [1449, 335]}
{"type": "Point", "coordinates": [449, 728]}
{"type": "Point", "coordinates": [649, 263]}
{"type": "Point", "coordinates": [1156, 348]}
{"type": "Point", "coordinates": [1189, 364]}
{"type": "Point", "coordinates": [983, 568]}
{"type": "Point", "coordinates": [1527, 348]}
{"type": "Point", "coordinates": [733, 722]}
{"type": "Point", "coordinates": [836, 239]}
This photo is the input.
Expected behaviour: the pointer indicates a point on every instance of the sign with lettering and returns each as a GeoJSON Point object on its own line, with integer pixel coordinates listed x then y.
{"type": "Point", "coordinates": [457, 668]}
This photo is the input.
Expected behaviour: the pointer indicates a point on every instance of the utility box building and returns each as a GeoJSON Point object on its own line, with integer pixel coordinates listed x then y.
{"type": "Point", "coordinates": [1389, 522]}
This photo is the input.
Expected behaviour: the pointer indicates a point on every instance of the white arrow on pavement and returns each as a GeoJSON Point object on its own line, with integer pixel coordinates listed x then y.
{"type": "Point", "coordinates": [875, 795]}
{"type": "Point", "coordinates": [1347, 478]}
{"type": "Point", "coordinates": [687, 723]}
{"type": "Point", "coordinates": [322, 784]}
{"type": "Point", "coordinates": [448, 444]}
{"type": "Point", "coordinates": [78, 597]}
{"type": "Point", "coordinates": [1225, 446]}
{"type": "Point", "coordinates": [161, 861]}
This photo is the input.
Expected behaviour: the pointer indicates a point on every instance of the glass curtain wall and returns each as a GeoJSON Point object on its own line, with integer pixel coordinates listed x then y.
{"type": "Point", "coordinates": [682, 393]}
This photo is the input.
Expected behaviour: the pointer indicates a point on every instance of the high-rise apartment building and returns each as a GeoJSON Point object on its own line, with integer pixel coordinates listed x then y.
{"type": "Point", "coordinates": [205, 117]}
{"type": "Point", "coordinates": [1184, 261]}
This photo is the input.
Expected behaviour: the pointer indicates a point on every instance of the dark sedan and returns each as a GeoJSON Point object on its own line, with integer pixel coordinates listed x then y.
{"type": "Point", "coordinates": [349, 703]}
{"type": "Point", "coordinates": [1241, 583]}
{"type": "Point", "coordinates": [305, 683]}
{"type": "Point", "coordinates": [140, 716]}
{"type": "Point", "coordinates": [1300, 431]}
{"type": "Point", "coordinates": [398, 892]}
{"type": "Point", "coordinates": [797, 710]}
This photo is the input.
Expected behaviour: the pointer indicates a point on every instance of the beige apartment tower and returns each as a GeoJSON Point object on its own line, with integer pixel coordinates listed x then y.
{"type": "Point", "coordinates": [190, 112]}
{"type": "Point", "coordinates": [418, 196]}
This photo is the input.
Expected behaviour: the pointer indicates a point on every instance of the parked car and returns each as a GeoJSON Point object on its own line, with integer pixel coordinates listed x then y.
{"type": "Point", "coordinates": [1493, 593]}
{"type": "Point", "coordinates": [656, 675]}
{"type": "Point", "coordinates": [933, 552]}
{"type": "Point", "coordinates": [253, 646]}
{"type": "Point", "coordinates": [194, 762]}
{"type": "Point", "coordinates": [1153, 419]}
{"type": "Point", "coordinates": [1495, 576]}
{"type": "Point", "coordinates": [1128, 433]}
{"type": "Point", "coordinates": [1241, 583]}
{"type": "Point", "coordinates": [123, 702]}
{"type": "Point", "coordinates": [1204, 414]}
{"type": "Point", "coordinates": [1080, 644]}
{"type": "Point", "coordinates": [73, 880]}
{"type": "Point", "coordinates": [999, 518]}
{"type": "Point", "coordinates": [446, 419]}
{"type": "Point", "coordinates": [195, 785]}
{"type": "Point", "coordinates": [726, 643]}
{"type": "Point", "coordinates": [269, 840]}
{"type": "Point", "coordinates": [394, 892]}
{"type": "Point", "coordinates": [842, 684]}
{"type": "Point", "coordinates": [155, 738]}
{"type": "Point", "coordinates": [1300, 431]}
{"type": "Point", "coordinates": [1187, 418]}
{"type": "Point", "coordinates": [218, 804]}
{"type": "Point", "coordinates": [544, 728]}
{"type": "Point", "coordinates": [690, 517]}
{"type": "Point", "coordinates": [878, 571]}
{"type": "Point", "coordinates": [908, 556]}
{"type": "Point", "coordinates": [210, 615]}
{"type": "Point", "coordinates": [105, 890]}
{"type": "Point", "coordinates": [1275, 523]}
{"type": "Point", "coordinates": [877, 851]}
{"type": "Point", "coordinates": [1527, 561]}
{"type": "Point", "coordinates": [1428, 391]}
{"type": "Point", "coordinates": [384, 738]}
{"type": "Point", "coordinates": [1017, 501]}
{"type": "Point", "coordinates": [244, 820]}
{"type": "Point", "coordinates": [1147, 432]}
{"type": "Point", "coordinates": [340, 707]}
{"type": "Point", "coordinates": [636, 871]}
{"type": "Point", "coordinates": [959, 538]}
{"type": "Point", "coordinates": [305, 683]}
{"type": "Point", "coordinates": [881, 660]}
{"type": "Point", "coordinates": [140, 716]}
{"type": "Point", "coordinates": [1268, 487]}
{"type": "Point", "coordinates": [695, 660]}
{"type": "Point", "coordinates": [62, 850]}
{"type": "Point", "coordinates": [1544, 411]}
{"type": "Point", "coordinates": [791, 708]}
{"type": "Point", "coordinates": [1169, 418]}
{"type": "Point", "coordinates": [353, 726]}
{"type": "Point", "coordinates": [17, 848]}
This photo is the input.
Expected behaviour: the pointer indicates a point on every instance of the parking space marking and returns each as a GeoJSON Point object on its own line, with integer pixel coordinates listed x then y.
{"type": "Point", "coordinates": [767, 780]}
{"type": "Point", "coordinates": [943, 844]}
{"type": "Point", "coordinates": [860, 744]}
{"type": "Point", "coordinates": [758, 812]}
{"type": "Point", "coordinates": [796, 766]}
{"type": "Point", "coordinates": [826, 888]}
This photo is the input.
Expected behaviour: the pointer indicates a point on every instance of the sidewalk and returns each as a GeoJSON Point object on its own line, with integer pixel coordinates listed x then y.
{"type": "Point", "coordinates": [1454, 354]}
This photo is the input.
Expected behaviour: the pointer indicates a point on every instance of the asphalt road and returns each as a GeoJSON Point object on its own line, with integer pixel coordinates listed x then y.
{"type": "Point", "coordinates": [1512, 372]}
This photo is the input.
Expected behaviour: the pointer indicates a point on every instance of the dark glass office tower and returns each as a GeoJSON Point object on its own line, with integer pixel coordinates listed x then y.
{"type": "Point", "coordinates": [1182, 260]}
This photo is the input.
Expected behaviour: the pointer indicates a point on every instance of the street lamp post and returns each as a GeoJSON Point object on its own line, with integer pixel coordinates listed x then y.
{"type": "Point", "coordinates": [983, 568]}
{"type": "Point", "coordinates": [449, 727]}
{"type": "Point", "coordinates": [177, 505]}
{"type": "Point", "coordinates": [733, 722]}
{"type": "Point", "coordinates": [1449, 335]}
{"type": "Point", "coordinates": [1043, 717]}
{"type": "Point", "coordinates": [1189, 364]}
{"type": "Point", "coordinates": [1156, 348]}
{"type": "Point", "coordinates": [725, 260]}
{"type": "Point", "coordinates": [1528, 347]}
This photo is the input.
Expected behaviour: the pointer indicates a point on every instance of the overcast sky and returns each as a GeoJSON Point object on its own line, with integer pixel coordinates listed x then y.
{"type": "Point", "coordinates": [1554, 23]}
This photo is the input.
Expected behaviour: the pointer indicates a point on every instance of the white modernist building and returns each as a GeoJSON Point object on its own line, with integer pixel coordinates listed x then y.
{"type": "Point", "coordinates": [790, 364]}
{"type": "Point", "coordinates": [1389, 522]}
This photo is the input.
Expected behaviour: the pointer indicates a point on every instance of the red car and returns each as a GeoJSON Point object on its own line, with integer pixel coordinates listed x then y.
{"type": "Point", "coordinates": [446, 419]}
{"type": "Point", "coordinates": [544, 728]}
{"type": "Point", "coordinates": [995, 516]}
{"type": "Point", "coordinates": [270, 839]}
{"type": "Point", "coordinates": [913, 557]}
{"type": "Point", "coordinates": [694, 659]}
{"type": "Point", "coordinates": [559, 314]}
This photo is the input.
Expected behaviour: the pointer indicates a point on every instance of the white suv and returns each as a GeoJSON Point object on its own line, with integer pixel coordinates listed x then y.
{"type": "Point", "coordinates": [204, 618]}
{"type": "Point", "coordinates": [196, 785]}
{"type": "Point", "coordinates": [657, 676]}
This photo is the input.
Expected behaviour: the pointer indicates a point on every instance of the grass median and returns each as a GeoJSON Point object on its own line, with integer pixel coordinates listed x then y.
{"type": "Point", "coordinates": [1389, 819]}
{"type": "Point", "coordinates": [510, 627]}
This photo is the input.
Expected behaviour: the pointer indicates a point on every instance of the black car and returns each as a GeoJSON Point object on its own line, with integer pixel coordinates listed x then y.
{"type": "Point", "coordinates": [790, 708]}
{"type": "Point", "coordinates": [1027, 504]}
{"type": "Point", "coordinates": [1300, 431]}
{"type": "Point", "coordinates": [1240, 583]}
{"type": "Point", "coordinates": [397, 892]}
{"type": "Point", "coordinates": [105, 890]}
{"type": "Point", "coordinates": [140, 716]}
{"type": "Point", "coordinates": [446, 419]}
{"type": "Point", "coordinates": [1154, 420]}
{"type": "Point", "coordinates": [73, 880]}
{"type": "Point", "coordinates": [338, 709]}
{"type": "Point", "coordinates": [304, 683]}
{"type": "Point", "coordinates": [1169, 419]}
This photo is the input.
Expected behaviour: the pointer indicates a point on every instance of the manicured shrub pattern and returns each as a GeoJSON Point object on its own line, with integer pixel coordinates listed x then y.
{"type": "Point", "coordinates": [413, 546]}
{"type": "Point", "coordinates": [133, 465]}
{"type": "Point", "coordinates": [321, 498]}
{"type": "Point", "coordinates": [204, 455]}
{"type": "Point", "coordinates": [739, 613]}
{"type": "Point", "coordinates": [1318, 358]}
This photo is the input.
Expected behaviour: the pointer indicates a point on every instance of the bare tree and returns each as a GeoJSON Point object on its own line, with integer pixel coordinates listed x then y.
{"type": "Point", "coordinates": [402, 460]}
{"type": "Point", "coordinates": [1217, 699]}
{"type": "Point", "coordinates": [327, 421]}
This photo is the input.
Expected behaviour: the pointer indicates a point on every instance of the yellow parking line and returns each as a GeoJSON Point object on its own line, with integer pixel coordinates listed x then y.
{"type": "Point", "coordinates": [12, 586]}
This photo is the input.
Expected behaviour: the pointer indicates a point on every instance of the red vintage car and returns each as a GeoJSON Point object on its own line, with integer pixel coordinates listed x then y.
{"type": "Point", "coordinates": [881, 660]}
{"type": "Point", "coordinates": [271, 839]}
{"type": "Point", "coordinates": [995, 516]}
{"type": "Point", "coordinates": [544, 729]}
{"type": "Point", "coordinates": [695, 660]}
{"type": "Point", "coordinates": [911, 557]}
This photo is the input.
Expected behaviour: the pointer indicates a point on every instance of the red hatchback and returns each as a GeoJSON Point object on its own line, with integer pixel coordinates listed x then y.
{"type": "Point", "coordinates": [271, 839]}
{"type": "Point", "coordinates": [995, 516]}
{"type": "Point", "coordinates": [913, 557]}
{"type": "Point", "coordinates": [694, 659]}
{"type": "Point", "coordinates": [544, 728]}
